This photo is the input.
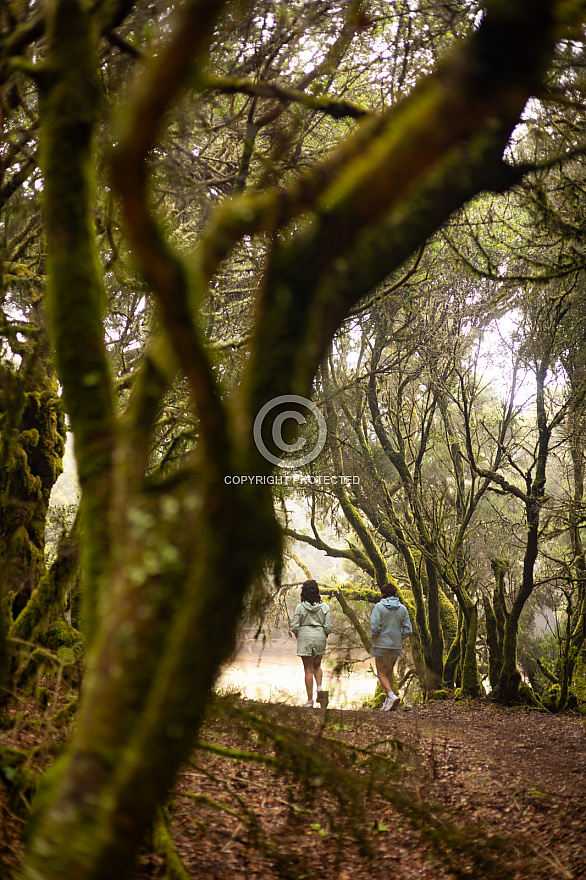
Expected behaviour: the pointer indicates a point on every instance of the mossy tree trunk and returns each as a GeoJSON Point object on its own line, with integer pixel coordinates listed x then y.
{"type": "Point", "coordinates": [166, 571]}
{"type": "Point", "coordinates": [540, 352]}
{"type": "Point", "coordinates": [424, 577]}
{"type": "Point", "coordinates": [576, 431]}
{"type": "Point", "coordinates": [32, 443]}
{"type": "Point", "coordinates": [508, 688]}
{"type": "Point", "coordinates": [470, 688]}
{"type": "Point", "coordinates": [453, 662]}
{"type": "Point", "coordinates": [465, 504]}
{"type": "Point", "coordinates": [353, 516]}
{"type": "Point", "coordinates": [42, 620]}
{"type": "Point", "coordinates": [574, 637]}
{"type": "Point", "coordinates": [495, 615]}
{"type": "Point", "coordinates": [4, 650]}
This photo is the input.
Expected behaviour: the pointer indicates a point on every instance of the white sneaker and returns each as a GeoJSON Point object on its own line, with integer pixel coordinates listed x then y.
{"type": "Point", "coordinates": [308, 705]}
{"type": "Point", "coordinates": [394, 702]}
{"type": "Point", "coordinates": [387, 704]}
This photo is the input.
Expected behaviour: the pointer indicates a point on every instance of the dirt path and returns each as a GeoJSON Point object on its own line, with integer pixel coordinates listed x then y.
{"type": "Point", "coordinates": [513, 772]}
{"type": "Point", "coordinates": [510, 782]}
{"type": "Point", "coordinates": [518, 746]}
{"type": "Point", "coordinates": [497, 794]}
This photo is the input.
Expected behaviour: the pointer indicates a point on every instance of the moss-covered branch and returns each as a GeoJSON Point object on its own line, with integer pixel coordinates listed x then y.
{"type": "Point", "coordinates": [334, 107]}
{"type": "Point", "coordinates": [352, 553]}
{"type": "Point", "coordinates": [299, 562]}
{"type": "Point", "coordinates": [355, 620]}
{"type": "Point", "coordinates": [46, 603]}
{"type": "Point", "coordinates": [176, 290]}
{"type": "Point", "coordinates": [165, 846]}
{"type": "Point", "coordinates": [68, 114]}
{"type": "Point", "coordinates": [32, 443]}
{"type": "Point", "coordinates": [155, 374]}
{"type": "Point", "coordinates": [349, 510]}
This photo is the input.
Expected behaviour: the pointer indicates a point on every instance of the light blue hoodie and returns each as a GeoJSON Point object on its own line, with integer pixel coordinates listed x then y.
{"type": "Point", "coordinates": [389, 624]}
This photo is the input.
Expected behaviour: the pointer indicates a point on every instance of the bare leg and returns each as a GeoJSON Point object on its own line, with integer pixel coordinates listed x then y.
{"type": "Point", "coordinates": [308, 670]}
{"type": "Point", "coordinates": [317, 670]}
{"type": "Point", "coordinates": [384, 670]}
{"type": "Point", "coordinates": [391, 669]}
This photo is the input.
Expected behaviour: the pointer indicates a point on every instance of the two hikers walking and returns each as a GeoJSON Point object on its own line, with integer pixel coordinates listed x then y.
{"type": "Point", "coordinates": [312, 624]}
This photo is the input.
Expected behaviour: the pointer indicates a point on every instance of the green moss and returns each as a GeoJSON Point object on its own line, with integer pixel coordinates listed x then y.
{"type": "Point", "coordinates": [165, 846]}
{"type": "Point", "coordinates": [448, 618]}
{"type": "Point", "coordinates": [527, 696]}
{"type": "Point", "coordinates": [408, 600]}
{"type": "Point", "coordinates": [29, 439]}
{"type": "Point", "coordinates": [5, 648]}
{"type": "Point", "coordinates": [453, 659]}
{"type": "Point", "coordinates": [63, 716]}
{"type": "Point", "coordinates": [20, 782]}
{"type": "Point", "coordinates": [551, 697]}
{"type": "Point", "coordinates": [438, 695]}
{"type": "Point", "coordinates": [470, 678]}
{"type": "Point", "coordinates": [46, 602]}
{"type": "Point", "coordinates": [354, 594]}
{"type": "Point", "coordinates": [34, 443]}
{"type": "Point", "coordinates": [60, 635]}
{"type": "Point", "coordinates": [374, 702]}
{"type": "Point", "coordinates": [69, 104]}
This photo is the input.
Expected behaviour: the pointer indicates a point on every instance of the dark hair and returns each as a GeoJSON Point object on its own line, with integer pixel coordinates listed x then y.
{"type": "Point", "coordinates": [310, 592]}
{"type": "Point", "coordinates": [388, 590]}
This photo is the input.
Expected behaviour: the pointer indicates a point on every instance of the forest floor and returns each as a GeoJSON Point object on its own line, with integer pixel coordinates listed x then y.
{"type": "Point", "coordinates": [434, 791]}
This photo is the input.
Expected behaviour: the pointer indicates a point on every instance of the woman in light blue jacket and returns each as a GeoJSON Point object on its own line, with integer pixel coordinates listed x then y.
{"type": "Point", "coordinates": [312, 624]}
{"type": "Point", "coordinates": [389, 625]}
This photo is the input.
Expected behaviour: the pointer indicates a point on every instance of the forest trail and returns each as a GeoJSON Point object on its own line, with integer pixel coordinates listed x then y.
{"type": "Point", "coordinates": [511, 780]}
{"type": "Point", "coordinates": [502, 790]}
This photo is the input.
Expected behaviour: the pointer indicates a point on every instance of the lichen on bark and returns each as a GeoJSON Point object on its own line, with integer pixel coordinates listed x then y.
{"type": "Point", "coordinates": [32, 447]}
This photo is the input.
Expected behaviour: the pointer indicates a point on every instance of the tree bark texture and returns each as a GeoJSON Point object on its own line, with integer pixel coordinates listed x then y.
{"type": "Point", "coordinates": [31, 455]}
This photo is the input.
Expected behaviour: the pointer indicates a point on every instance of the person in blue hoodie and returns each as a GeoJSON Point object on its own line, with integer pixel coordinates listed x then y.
{"type": "Point", "coordinates": [312, 624]}
{"type": "Point", "coordinates": [389, 625]}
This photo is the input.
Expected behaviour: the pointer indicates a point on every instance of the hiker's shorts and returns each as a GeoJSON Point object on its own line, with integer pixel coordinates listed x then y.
{"type": "Point", "coordinates": [389, 653]}
{"type": "Point", "coordinates": [311, 645]}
